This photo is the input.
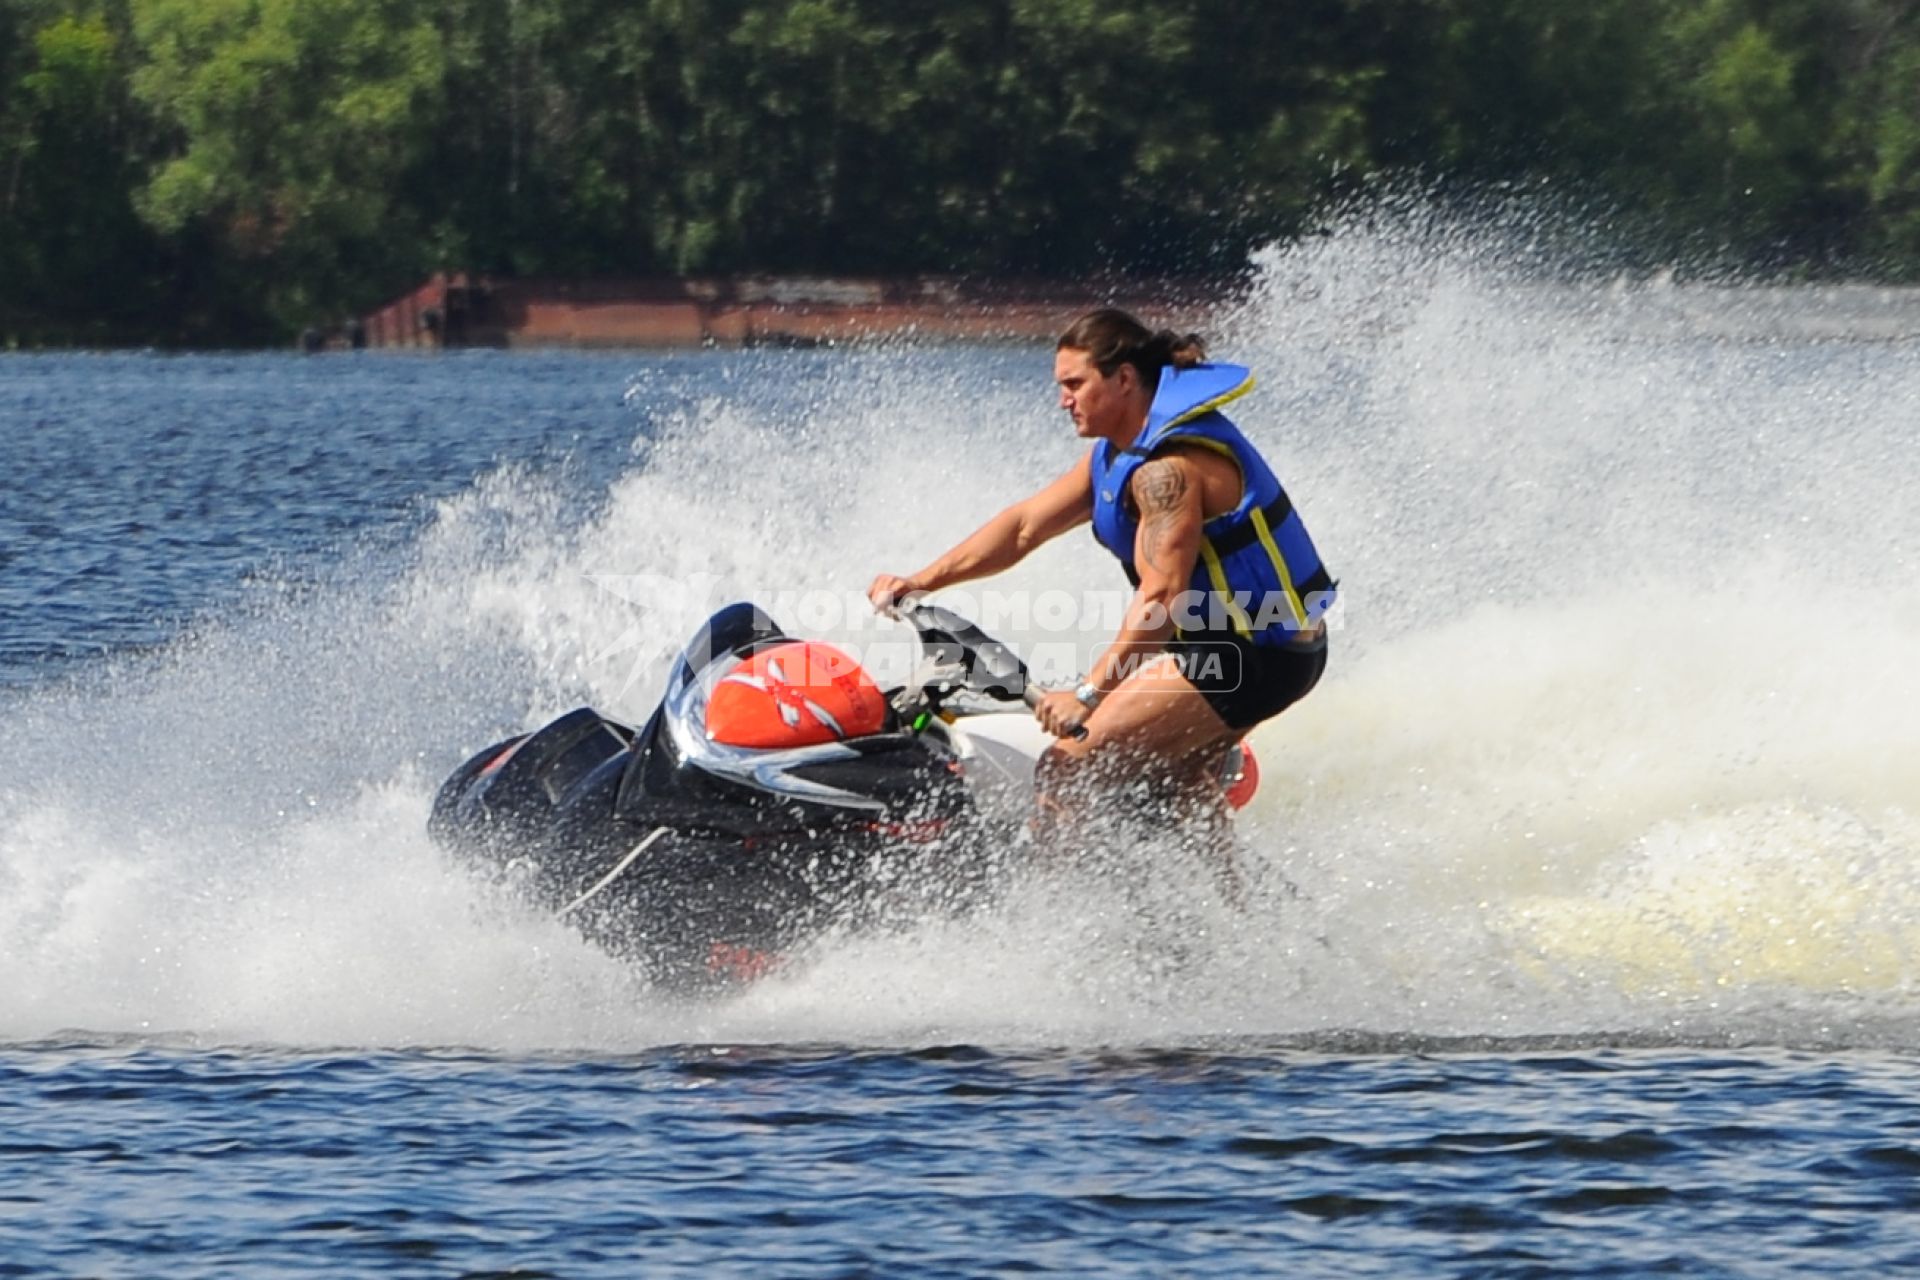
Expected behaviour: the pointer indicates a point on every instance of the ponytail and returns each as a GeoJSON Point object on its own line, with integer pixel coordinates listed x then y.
{"type": "Point", "coordinates": [1184, 350]}
{"type": "Point", "coordinates": [1111, 338]}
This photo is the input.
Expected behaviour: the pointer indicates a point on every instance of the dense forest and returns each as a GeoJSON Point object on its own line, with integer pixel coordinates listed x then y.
{"type": "Point", "coordinates": [221, 171]}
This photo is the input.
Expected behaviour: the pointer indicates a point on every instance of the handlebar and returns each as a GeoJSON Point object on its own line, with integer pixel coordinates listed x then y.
{"type": "Point", "coordinates": [1032, 694]}
{"type": "Point", "coordinates": [962, 653]}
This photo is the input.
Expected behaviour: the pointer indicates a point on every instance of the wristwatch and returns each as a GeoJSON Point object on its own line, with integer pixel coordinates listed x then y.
{"type": "Point", "coordinates": [1089, 695]}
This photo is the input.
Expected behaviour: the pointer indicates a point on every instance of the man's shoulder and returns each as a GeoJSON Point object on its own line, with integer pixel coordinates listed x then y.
{"type": "Point", "coordinates": [1200, 466]}
{"type": "Point", "coordinates": [1168, 475]}
{"type": "Point", "coordinates": [1195, 455]}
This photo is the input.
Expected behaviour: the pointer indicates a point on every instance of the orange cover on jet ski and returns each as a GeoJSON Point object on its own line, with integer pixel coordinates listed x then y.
{"type": "Point", "coordinates": [795, 695]}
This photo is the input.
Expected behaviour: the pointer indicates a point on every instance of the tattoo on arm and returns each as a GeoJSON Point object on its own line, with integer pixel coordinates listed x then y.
{"type": "Point", "coordinates": [1160, 488]}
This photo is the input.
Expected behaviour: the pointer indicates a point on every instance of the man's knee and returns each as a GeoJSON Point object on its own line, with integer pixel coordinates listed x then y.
{"type": "Point", "coordinates": [1068, 771]}
{"type": "Point", "coordinates": [1056, 767]}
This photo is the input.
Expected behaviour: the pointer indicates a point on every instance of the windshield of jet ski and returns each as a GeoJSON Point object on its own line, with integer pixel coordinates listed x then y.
{"type": "Point", "coordinates": [734, 628]}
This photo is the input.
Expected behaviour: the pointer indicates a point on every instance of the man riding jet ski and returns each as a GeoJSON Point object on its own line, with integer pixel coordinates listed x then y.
{"type": "Point", "coordinates": [774, 794]}
{"type": "Point", "coordinates": [1226, 627]}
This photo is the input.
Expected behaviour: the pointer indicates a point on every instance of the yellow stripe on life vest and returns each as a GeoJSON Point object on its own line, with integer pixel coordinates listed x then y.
{"type": "Point", "coordinates": [1279, 567]}
{"type": "Point", "coordinates": [1217, 575]}
{"type": "Point", "coordinates": [1265, 535]}
{"type": "Point", "coordinates": [1213, 404]}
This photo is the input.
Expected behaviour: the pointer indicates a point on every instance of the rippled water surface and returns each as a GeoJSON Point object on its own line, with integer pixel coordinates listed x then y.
{"type": "Point", "coordinates": [830, 1161]}
{"type": "Point", "coordinates": [1582, 918]}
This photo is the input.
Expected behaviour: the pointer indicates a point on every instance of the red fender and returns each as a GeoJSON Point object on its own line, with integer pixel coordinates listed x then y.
{"type": "Point", "coordinates": [1241, 775]}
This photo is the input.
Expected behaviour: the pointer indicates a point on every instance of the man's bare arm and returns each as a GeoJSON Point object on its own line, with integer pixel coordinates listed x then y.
{"type": "Point", "coordinates": [1003, 541]}
{"type": "Point", "coordinates": [1167, 543]}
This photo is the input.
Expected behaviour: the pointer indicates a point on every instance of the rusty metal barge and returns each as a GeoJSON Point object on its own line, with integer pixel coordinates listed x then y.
{"type": "Point", "coordinates": [462, 309]}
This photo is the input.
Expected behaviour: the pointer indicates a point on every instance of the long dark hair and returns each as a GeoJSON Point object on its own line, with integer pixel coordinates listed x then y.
{"type": "Point", "coordinates": [1111, 338]}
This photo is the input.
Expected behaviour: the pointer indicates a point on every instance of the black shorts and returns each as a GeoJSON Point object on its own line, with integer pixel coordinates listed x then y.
{"type": "Point", "coordinates": [1244, 682]}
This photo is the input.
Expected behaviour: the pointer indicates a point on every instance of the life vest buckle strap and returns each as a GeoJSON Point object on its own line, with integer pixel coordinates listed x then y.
{"type": "Point", "coordinates": [1243, 533]}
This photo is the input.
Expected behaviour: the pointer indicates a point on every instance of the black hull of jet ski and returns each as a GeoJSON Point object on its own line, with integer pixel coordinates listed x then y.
{"type": "Point", "coordinates": [773, 795]}
{"type": "Point", "coordinates": [706, 855]}
{"type": "Point", "coordinates": [700, 880]}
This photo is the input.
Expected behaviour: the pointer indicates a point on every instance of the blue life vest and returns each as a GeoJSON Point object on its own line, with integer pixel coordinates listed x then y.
{"type": "Point", "coordinates": [1258, 573]}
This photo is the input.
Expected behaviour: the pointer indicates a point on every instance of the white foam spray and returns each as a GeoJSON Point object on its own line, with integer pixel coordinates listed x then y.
{"type": "Point", "coordinates": [1619, 736]}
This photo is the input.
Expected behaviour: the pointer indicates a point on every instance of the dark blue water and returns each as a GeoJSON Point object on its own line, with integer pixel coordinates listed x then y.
{"type": "Point", "coordinates": [830, 1161]}
{"type": "Point", "coordinates": [145, 490]}
{"type": "Point", "coordinates": [1601, 960]}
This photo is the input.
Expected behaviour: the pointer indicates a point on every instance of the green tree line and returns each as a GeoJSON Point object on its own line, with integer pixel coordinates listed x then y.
{"type": "Point", "coordinates": [202, 171]}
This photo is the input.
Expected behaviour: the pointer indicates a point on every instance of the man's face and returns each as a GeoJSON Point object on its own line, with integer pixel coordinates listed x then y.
{"type": "Point", "coordinates": [1100, 403]}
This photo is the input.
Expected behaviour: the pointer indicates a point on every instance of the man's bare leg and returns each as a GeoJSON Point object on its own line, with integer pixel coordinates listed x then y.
{"type": "Point", "coordinates": [1154, 729]}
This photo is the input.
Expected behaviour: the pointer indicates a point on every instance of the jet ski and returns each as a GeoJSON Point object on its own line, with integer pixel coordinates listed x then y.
{"type": "Point", "coordinates": [776, 793]}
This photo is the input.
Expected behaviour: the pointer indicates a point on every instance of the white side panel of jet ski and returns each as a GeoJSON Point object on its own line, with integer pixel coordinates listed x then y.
{"type": "Point", "coordinates": [999, 749]}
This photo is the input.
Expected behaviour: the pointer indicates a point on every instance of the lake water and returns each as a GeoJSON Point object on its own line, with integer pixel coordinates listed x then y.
{"type": "Point", "coordinates": [1603, 958]}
